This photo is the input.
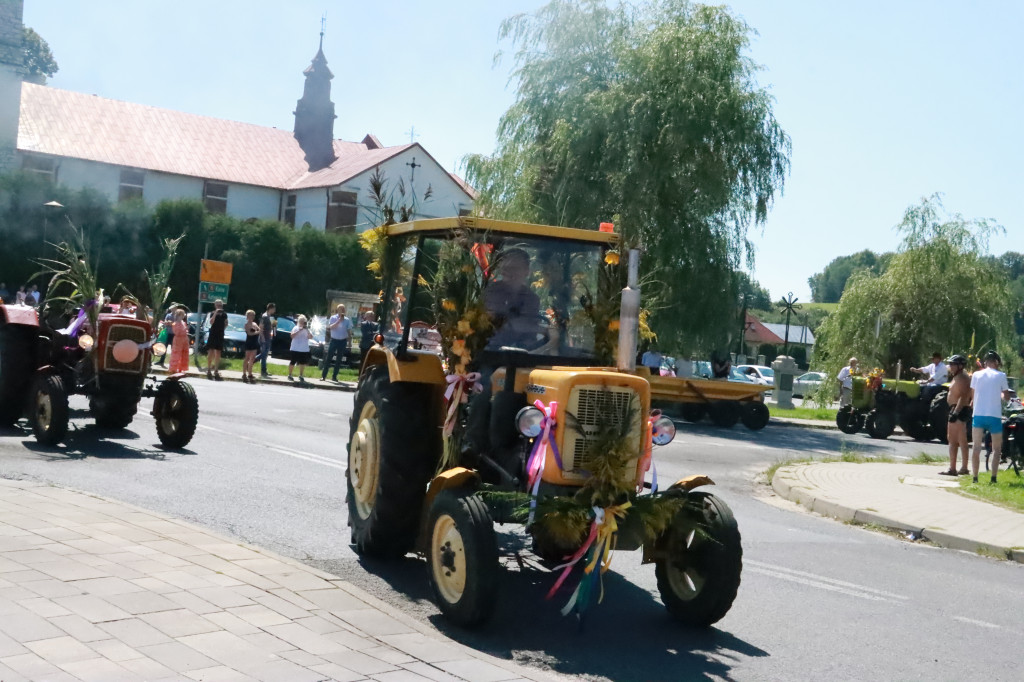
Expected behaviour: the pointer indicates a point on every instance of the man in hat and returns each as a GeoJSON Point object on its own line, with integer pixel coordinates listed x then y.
{"type": "Point", "coordinates": [988, 389]}
{"type": "Point", "coordinates": [959, 399]}
{"type": "Point", "coordinates": [935, 373]}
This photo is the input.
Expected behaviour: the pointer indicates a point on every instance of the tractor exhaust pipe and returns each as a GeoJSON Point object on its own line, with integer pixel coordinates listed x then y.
{"type": "Point", "coordinates": [629, 315]}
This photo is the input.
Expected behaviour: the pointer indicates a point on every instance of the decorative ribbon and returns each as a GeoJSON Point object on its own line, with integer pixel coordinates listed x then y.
{"type": "Point", "coordinates": [73, 328]}
{"type": "Point", "coordinates": [538, 456]}
{"type": "Point", "coordinates": [647, 461]}
{"type": "Point", "coordinates": [459, 388]}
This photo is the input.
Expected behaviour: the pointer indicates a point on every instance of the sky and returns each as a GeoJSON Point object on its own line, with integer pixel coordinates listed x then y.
{"type": "Point", "coordinates": [885, 102]}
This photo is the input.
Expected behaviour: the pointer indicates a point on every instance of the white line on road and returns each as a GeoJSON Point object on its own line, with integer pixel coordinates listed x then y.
{"type": "Point", "coordinates": [822, 582]}
{"type": "Point", "coordinates": [980, 623]}
{"type": "Point", "coordinates": [298, 454]}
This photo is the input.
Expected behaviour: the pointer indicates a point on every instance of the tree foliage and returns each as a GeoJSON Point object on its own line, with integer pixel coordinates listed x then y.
{"type": "Point", "coordinates": [939, 293]}
{"type": "Point", "coordinates": [650, 115]}
{"type": "Point", "coordinates": [827, 286]}
{"type": "Point", "coordinates": [39, 62]}
{"type": "Point", "coordinates": [752, 294]}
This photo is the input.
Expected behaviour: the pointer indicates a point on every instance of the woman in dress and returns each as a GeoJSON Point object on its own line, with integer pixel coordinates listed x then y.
{"type": "Point", "coordinates": [179, 347]}
{"type": "Point", "coordinates": [218, 321]}
{"type": "Point", "coordinates": [300, 348]}
{"type": "Point", "coordinates": [252, 345]}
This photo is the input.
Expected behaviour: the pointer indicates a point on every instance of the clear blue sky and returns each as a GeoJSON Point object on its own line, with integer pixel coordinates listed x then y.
{"type": "Point", "coordinates": [885, 101]}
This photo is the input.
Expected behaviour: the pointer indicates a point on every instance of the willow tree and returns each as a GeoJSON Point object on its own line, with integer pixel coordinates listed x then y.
{"type": "Point", "coordinates": [939, 293]}
{"type": "Point", "coordinates": [650, 115]}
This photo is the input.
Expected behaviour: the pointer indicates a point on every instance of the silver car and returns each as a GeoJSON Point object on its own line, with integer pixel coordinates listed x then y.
{"type": "Point", "coordinates": [807, 384]}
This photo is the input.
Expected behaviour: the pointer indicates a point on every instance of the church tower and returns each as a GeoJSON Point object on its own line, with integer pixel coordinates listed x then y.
{"type": "Point", "coordinates": [314, 113]}
{"type": "Point", "coordinates": [11, 72]}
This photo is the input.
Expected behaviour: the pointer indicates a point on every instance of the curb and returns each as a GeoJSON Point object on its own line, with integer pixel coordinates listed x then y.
{"type": "Point", "coordinates": [520, 670]}
{"type": "Point", "coordinates": [813, 424]}
{"type": "Point", "coordinates": [806, 497]}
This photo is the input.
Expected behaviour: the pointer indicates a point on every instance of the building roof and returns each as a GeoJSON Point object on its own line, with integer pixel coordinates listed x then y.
{"type": "Point", "coordinates": [71, 124]}
{"type": "Point", "coordinates": [798, 333]}
{"type": "Point", "coordinates": [757, 332]}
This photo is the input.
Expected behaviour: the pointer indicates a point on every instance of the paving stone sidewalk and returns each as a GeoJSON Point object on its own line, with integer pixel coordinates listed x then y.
{"type": "Point", "coordinates": [911, 497]}
{"type": "Point", "coordinates": [93, 589]}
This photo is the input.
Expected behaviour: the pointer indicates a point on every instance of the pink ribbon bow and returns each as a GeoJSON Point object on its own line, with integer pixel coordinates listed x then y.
{"type": "Point", "coordinates": [535, 465]}
{"type": "Point", "coordinates": [459, 388]}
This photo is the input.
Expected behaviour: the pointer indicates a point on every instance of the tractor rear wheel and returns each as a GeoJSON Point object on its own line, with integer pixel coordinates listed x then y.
{"type": "Point", "coordinates": [699, 570]}
{"type": "Point", "coordinates": [462, 557]}
{"type": "Point", "coordinates": [914, 427]}
{"type": "Point", "coordinates": [880, 423]}
{"type": "Point", "coordinates": [176, 409]}
{"type": "Point", "coordinates": [849, 421]}
{"type": "Point", "coordinates": [17, 358]}
{"type": "Point", "coordinates": [392, 455]}
{"type": "Point", "coordinates": [49, 409]}
{"type": "Point", "coordinates": [755, 415]}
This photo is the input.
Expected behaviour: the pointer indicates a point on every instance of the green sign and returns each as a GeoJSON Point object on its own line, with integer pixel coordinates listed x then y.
{"type": "Point", "coordinates": [211, 291]}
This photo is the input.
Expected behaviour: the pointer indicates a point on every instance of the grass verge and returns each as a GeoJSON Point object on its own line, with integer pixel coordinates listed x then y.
{"type": "Point", "coordinates": [844, 456]}
{"type": "Point", "coordinates": [925, 458]}
{"type": "Point", "coordinates": [312, 371]}
{"type": "Point", "coordinates": [1008, 492]}
{"type": "Point", "coordinates": [824, 414]}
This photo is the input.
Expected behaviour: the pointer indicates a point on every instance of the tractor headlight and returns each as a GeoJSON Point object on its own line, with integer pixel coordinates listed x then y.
{"type": "Point", "coordinates": [159, 349]}
{"type": "Point", "coordinates": [529, 421]}
{"type": "Point", "coordinates": [85, 342]}
{"type": "Point", "coordinates": [663, 430]}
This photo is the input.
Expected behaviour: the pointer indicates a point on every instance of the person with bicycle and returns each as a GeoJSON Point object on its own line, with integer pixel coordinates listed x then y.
{"type": "Point", "coordinates": [988, 390]}
{"type": "Point", "coordinates": [958, 398]}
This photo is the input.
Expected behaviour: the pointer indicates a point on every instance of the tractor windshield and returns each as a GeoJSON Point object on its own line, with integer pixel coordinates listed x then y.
{"type": "Point", "coordinates": [542, 296]}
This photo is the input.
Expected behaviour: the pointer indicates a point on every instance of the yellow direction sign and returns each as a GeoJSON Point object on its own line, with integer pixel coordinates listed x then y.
{"type": "Point", "coordinates": [215, 271]}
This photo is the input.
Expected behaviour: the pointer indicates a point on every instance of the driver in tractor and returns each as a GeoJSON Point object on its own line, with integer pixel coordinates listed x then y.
{"type": "Point", "coordinates": [514, 307]}
{"type": "Point", "coordinates": [936, 372]}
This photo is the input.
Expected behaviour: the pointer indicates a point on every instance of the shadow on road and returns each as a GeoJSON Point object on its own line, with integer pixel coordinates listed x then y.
{"type": "Point", "coordinates": [91, 441]}
{"type": "Point", "coordinates": [794, 438]}
{"type": "Point", "coordinates": [629, 636]}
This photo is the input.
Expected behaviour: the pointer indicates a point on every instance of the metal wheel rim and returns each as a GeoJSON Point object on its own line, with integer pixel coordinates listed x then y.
{"type": "Point", "coordinates": [170, 421]}
{"type": "Point", "coordinates": [448, 559]}
{"type": "Point", "coordinates": [44, 411]}
{"type": "Point", "coordinates": [364, 461]}
{"type": "Point", "coordinates": [685, 580]}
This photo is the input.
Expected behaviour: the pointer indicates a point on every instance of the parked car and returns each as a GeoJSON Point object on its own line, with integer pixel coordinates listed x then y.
{"type": "Point", "coordinates": [234, 333]}
{"type": "Point", "coordinates": [759, 373]}
{"type": "Point", "coordinates": [280, 347]}
{"type": "Point", "coordinates": [807, 384]}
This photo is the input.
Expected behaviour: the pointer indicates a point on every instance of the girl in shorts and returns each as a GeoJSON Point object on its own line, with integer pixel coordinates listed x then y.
{"type": "Point", "coordinates": [300, 348]}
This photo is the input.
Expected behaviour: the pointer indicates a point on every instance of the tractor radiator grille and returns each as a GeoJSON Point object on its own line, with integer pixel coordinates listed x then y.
{"type": "Point", "coordinates": [595, 406]}
{"type": "Point", "coordinates": [115, 333]}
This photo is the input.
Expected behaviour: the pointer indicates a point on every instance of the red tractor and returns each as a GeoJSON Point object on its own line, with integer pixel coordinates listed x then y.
{"type": "Point", "coordinates": [41, 366]}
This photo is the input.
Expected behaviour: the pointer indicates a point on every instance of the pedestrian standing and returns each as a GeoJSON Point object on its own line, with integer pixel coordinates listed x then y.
{"type": "Point", "coordinates": [33, 296]}
{"type": "Point", "coordinates": [367, 331]}
{"type": "Point", "coordinates": [218, 322]}
{"type": "Point", "coordinates": [340, 329]}
{"type": "Point", "coordinates": [299, 348]}
{"type": "Point", "coordinates": [652, 360]}
{"type": "Point", "coordinates": [19, 296]}
{"type": "Point", "coordinates": [168, 330]}
{"type": "Point", "coordinates": [179, 349]}
{"type": "Point", "coordinates": [846, 383]}
{"type": "Point", "coordinates": [959, 399]}
{"type": "Point", "coordinates": [267, 325]}
{"type": "Point", "coordinates": [252, 345]}
{"type": "Point", "coordinates": [988, 389]}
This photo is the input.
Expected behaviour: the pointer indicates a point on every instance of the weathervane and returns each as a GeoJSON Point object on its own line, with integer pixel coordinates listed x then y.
{"type": "Point", "coordinates": [323, 28]}
{"type": "Point", "coordinates": [789, 305]}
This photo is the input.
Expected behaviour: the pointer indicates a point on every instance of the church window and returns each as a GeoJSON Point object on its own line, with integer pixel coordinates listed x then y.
{"type": "Point", "coordinates": [131, 184]}
{"type": "Point", "coordinates": [215, 197]}
{"type": "Point", "coordinates": [289, 209]}
{"type": "Point", "coordinates": [41, 165]}
{"type": "Point", "coordinates": [342, 212]}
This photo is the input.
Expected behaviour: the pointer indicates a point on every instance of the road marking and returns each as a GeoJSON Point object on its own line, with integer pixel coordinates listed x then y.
{"type": "Point", "coordinates": [980, 623]}
{"type": "Point", "coordinates": [822, 582]}
{"type": "Point", "coordinates": [331, 415]}
{"type": "Point", "coordinates": [280, 449]}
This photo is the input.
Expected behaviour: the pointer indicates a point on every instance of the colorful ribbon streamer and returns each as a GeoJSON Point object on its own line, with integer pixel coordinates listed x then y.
{"type": "Point", "coordinates": [72, 329]}
{"type": "Point", "coordinates": [538, 456]}
{"type": "Point", "coordinates": [459, 388]}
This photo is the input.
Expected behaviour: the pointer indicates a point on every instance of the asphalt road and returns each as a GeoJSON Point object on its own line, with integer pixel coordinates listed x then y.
{"type": "Point", "coordinates": [819, 599]}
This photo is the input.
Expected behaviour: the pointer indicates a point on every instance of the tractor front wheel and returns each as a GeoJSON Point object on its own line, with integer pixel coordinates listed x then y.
{"type": "Point", "coordinates": [462, 557]}
{"type": "Point", "coordinates": [699, 568]}
{"type": "Point", "coordinates": [755, 416]}
{"type": "Point", "coordinates": [176, 409]}
{"type": "Point", "coordinates": [849, 421]}
{"type": "Point", "coordinates": [49, 409]}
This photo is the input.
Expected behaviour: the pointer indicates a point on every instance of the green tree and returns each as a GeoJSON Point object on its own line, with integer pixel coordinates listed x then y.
{"type": "Point", "coordinates": [755, 296]}
{"type": "Point", "coordinates": [39, 61]}
{"type": "Point", "coordinates": [827, 286]}
{"type": "Point", "coordinates": [938, 293]}
{"type": "Point", "coordinates": [650, 115]}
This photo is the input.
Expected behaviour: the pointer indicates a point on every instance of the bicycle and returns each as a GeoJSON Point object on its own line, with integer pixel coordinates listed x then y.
{"type": "Point", "coordinates": [1013, 438]}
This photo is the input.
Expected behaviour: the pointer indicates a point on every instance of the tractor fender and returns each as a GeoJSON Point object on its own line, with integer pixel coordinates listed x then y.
{"type": "Point", "coordinates": [652, 550]}
{"type": "Point", "coordinates": [691, 482]}
{"type": "Point", "coordinates": [457, 477]}
{"type": "Point", "coordinates": [19, 314]}
{"type": "Point", "coordinates": [418, 367]}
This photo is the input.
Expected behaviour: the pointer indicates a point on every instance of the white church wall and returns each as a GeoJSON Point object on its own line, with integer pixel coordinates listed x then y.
{"type": "Point", "coordinates": [249, 201]}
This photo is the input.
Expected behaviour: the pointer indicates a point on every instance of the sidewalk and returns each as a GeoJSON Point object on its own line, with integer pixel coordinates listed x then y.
{"type": "Point", "coordinates": [93, 589]}
{"type": "Point", "coordinates": [910, 497]}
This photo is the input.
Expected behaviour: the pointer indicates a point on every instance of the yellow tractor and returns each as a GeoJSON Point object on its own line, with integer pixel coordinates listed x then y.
{"type": "Point", "coordinates": [530, 411]}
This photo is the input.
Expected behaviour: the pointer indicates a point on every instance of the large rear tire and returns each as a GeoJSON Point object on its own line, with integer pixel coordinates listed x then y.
{"type": "Point", "coordinates": [49, 409]}
{"type": "Point", "coordinates": [880, 423]}
{"type": "Point", "coordinates": [176, 409]}
{"type": "Point", "coordinates": [392, 455]}
{"type": "Point", "coordinates": [462, 557]}
{"type": "Point", "coordinates": [914, 427]}
{"type": "Point", "coordinates": [17, 362]}
{"type": "Point", "coordinates": [849, 421]}
{"type": "Point", "coordinates": [699, 570]}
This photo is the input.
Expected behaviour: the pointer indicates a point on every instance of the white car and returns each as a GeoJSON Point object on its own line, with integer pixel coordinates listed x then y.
{"type": "Point", "coordinates": [759, 374]}
{"type": "Point", "coordinates": [807, 384]}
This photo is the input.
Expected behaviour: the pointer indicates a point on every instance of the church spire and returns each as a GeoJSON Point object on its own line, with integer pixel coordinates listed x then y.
{"type": "Point", "coordinates": [314, 112]}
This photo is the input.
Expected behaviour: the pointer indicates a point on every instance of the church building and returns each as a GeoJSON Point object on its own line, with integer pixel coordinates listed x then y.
{"type": "Point", "coordinates": [129, 151]}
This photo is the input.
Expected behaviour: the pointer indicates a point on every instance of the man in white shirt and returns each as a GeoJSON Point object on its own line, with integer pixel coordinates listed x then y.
{"type": "Point", "coordinates": [988, 389]}
{"type": "Point", "coordinates": [341, 331]}
{"type": "Point", "coordinates": [846, 383]}
{"type": "Point", "coordinates": [937, 372]}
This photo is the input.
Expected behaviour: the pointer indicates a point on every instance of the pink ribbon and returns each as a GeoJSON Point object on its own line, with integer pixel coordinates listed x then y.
{"type": "Point", "coordinates": [535, 465]}
{"type": "Point", "coordinates": [566, 568]}
{"type": "Point", "coordinates": [459, 388]}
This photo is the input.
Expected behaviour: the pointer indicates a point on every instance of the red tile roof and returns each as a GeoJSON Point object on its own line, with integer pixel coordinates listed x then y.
{"type": "Point", "coordinates": [72, 124]}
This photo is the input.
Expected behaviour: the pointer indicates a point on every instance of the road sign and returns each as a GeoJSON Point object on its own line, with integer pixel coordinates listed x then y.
{"type": "Point", "coordinates": [215, 271]}
{"type": "Point", "coordinates": [211, 291]}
